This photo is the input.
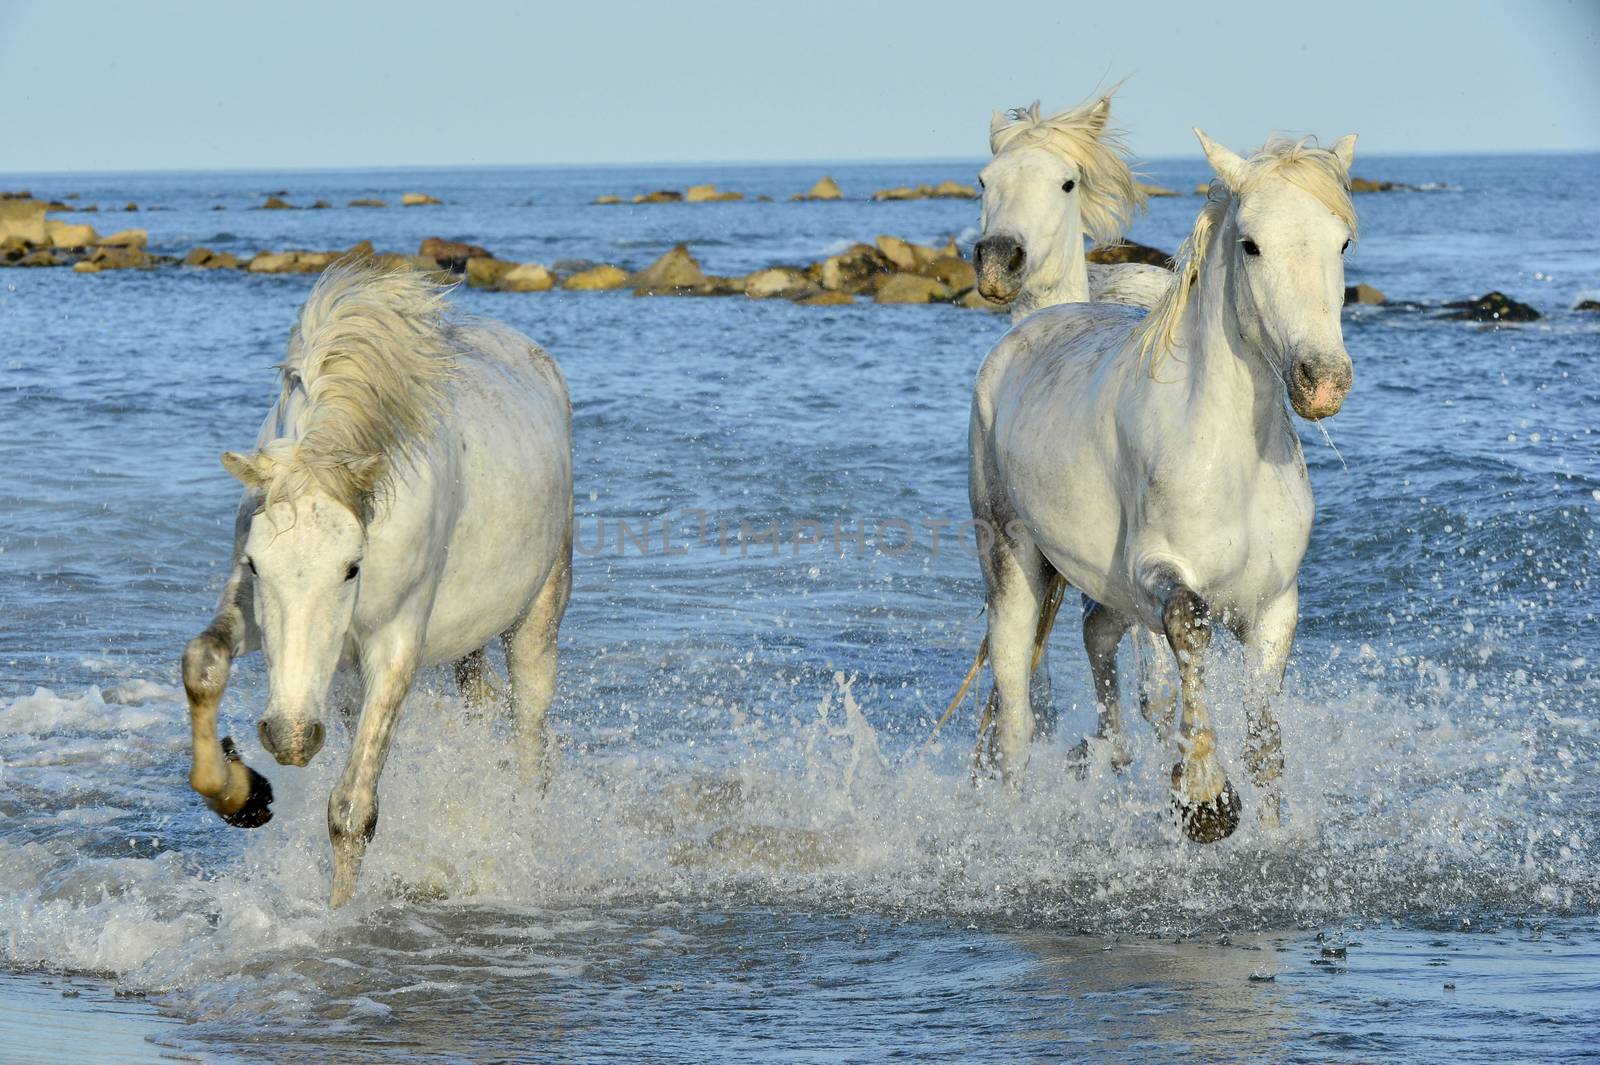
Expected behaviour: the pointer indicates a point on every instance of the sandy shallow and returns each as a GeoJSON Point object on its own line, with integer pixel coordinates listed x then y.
{"type": "Point", "coordinates": [47, 1018]}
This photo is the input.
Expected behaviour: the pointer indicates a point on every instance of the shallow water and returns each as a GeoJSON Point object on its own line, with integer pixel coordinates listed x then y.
{"type": "Point", "coordinates": [743, 851]}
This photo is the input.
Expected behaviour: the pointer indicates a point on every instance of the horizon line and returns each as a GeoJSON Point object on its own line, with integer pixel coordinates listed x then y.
{"type": "Point", "coordinates": [741, 163]}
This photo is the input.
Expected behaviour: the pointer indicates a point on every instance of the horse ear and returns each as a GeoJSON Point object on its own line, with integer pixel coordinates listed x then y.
{"type": "Point", "coordinates": [997, 125]}
{"type": "Point", "coordinates": [1100, 115]}
{"type": "Point", "coordinates": [368, 472]}
{"type": "Point", "coordinates": [250, 470]}
{"type": "Point", "coordinates": [1345, 149]}
{"type": "Point", "coordinates": [1226, 163]}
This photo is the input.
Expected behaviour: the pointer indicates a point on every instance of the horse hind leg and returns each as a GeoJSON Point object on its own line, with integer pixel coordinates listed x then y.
{"type": "Point", "coordinates": [1207, 805]}
{"type": "Point", "coordinates": [531, 660]}
{"type": "Point", "coordinates": [1102, 633]}
{"type": "Point", "coordinates": [238, 794]}
{"type": "Point", "coordinates": [472, 680]}
{"type": "Point", "coordinates": [1017, 576]}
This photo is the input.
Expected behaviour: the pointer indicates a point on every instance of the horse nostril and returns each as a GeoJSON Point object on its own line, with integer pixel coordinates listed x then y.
{"type": "Point", "coordinates": [1305, 378]}
{"type": "Point", "coordinates": [1018, 256]}
{"type": "Point", "coordinates": [317, 733]}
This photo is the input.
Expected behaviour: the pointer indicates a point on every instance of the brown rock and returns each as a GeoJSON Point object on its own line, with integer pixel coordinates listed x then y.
{"type": "Point", "coordinates": [130, 207]}
{"type": "Point", "coordinates": [975, 300]}
{"type": "Point", "coordinates": [899, 192]}
{"type": "Point", "coordinates": [525, 277]}
{"type": "Point", "coordinates": [24, 220]}
{"type": "Point", "coordinates": [722, 286]}
{"type": "Point", "coordinates": [602, 278]}
{"type": "Point", "coordinates": [906, 257]}
{"type": "Point", "coordinates": [125, 238]}
{"type": "Point", "coordinates": [1127, 251]}
{"type": "Point", "coordinates": [1587, 306]}
{"type": "Point", "coordinates": [953, 270]}
{"type": "Point", "coordinates": [853, 270]}
{"type": "Point", "coordinates": [485, 273]}
{"type": "Point", "coordinates": [41, 257]}
{"type": "Point", "coordinates": [119, 258]}
{"type": "Point", "coordinates": [825, 189]}
{"type": "Point", "coordinates": [659, 196]}
{"type": "Point", "coordinates": [273, 204]}
{"type": "Point", "coordinates": [69, 235]}
{"type": "Point", "coordinates": [367, 201]}
{"type": "Point", "coordinates": [321, 205]}
{"type": "Point", "coordinates": [452, 254]}
{"type": "Point", "coordinates": [911, 288]}
{"type": "Point", "coordinates": [207, 259]}
{"type": "Point", "coordinates": [676, 273]}
{"type": "Point", "coordinates": [418, 199]}
{"type": "Point", "coordinates": [84, 266]}
{"type": "Point", "coordinates": [953, 190]}
{"type": "Point", "coordinates": [778, 282]}
{"type": "Point", "coordinates": [1158, 190]}
{"type": "Point", "coordinates": [1363, 293]}
{"type": "Point", "coordinates": [607, 199]}
{"type": "Point", "coordinates": [709, 194]}
{"type": "Point", "coordinates": [826, 299]}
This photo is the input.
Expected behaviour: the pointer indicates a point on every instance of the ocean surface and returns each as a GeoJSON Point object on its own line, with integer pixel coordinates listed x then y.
{"type": "Point", "coordinates": [746, 853]}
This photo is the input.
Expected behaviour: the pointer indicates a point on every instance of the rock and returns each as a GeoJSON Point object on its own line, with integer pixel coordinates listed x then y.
{"type": "Point", "coordinates": [717, 285]}
{"type": "Point", "coordinates": [954, 271]}
{"type": "Point", "coordinates": [273, 204]}
{"type": "Point", "coordinates": [854, 270]}
{"type": "Point", "coordinates": [125, 238]}
{"type": "Point", "coordinates": [906, 256]}
{"type": "Point", "coordinates": [321, 205]}
{"type": "Point", "coordinates": [15, 194]}
{"type": "Point", "coordinates": [84, 266]}
{"type": "Point", "coordinates": [130, 207]}
{"type": "Point", "coordinates": [602, 278]}
{"type": "Point", "coordinates": [1157, 190]}
{"type": "Point", "coordinates": [1590, 306]}
{"type": "Point", "coordinates": [486, 272]}
{"type": "Point", "coordinates": [23, 219]}
{"type": "Point", "coordinates": [953, 190]}
{"type": "Point", "coordinates": [659, 196]}
{"type": "Point", "coordinates": [1127, 251]}
{"type": "Point", "coordinates": [293, 262]}
{"type": "Point", "coordinates": [367, 201]}
{"type": "Point", "coordinates": [41, 257]}
{"type": "Point", "coordinates": [68, 235]}
{"type": "Point", "coordinates": [419, 199]}
{"type": "Point", "coordinates": [778, 282]}
{"type": "Point", "coordinates": [975, 300]}
{"type": "Point", "coordinates": [1362, 293]}
{"type": "Point", "coordinates": [911, 288]}
{"type": "Point", "coordinates": [525, 277]}
{"type": "Point", "coordinates": [118, 258]}
{"type": "Point", "coordinates": [1493, 307]}
{"type": "Point", "coordinates": [676, 273]}
{"type": "Point", "coordinates": [451, 254]}
{"type": "Point", "coordinates": [608, 199]}
{"type": "Point", "coordinates": [826, 299]}
{"type": "Point", "coordinates": [709, 194]}
{"type": "Point", "coordinates": [825, 189]}
{"type": "Point", "coordinates": [1361, 184]}
{"type": "Point", "coordinates": [899, 192]}
{"type": "Point", "coordinates": [206, 259]}
{"type": "Point", "coordinates": [1203, 189]}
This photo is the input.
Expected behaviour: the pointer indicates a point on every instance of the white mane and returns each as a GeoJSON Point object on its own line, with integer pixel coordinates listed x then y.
{"type": "Point", "coordinates": [1108, 189]}
{"type": "Point", "coordinates": [1315, 170]}
{"type": "Point", "coordinates": [372, 357]}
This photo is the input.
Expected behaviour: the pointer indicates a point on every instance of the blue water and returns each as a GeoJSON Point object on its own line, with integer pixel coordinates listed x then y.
{"type": "Point", "coordinates": [743, 853]}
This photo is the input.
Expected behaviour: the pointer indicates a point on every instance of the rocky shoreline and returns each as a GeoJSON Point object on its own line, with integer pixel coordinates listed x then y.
{"type": "Point", "coordinates": [889, 270]}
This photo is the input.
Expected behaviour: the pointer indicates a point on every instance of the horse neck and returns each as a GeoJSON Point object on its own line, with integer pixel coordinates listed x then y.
{"type": "Point", "coordinates": [1227, 379]}
{"type": "Point", "coordinates": [1062, 277]}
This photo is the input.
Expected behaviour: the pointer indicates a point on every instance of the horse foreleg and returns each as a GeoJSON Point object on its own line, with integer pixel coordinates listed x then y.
{"type": "Point", "coordinates": [353, 806]}
{"type": "Point", "coordinates": [472, 680]}
{"type": "Point", "coordinates": [1017, 576]}
{"type": "Point", "coordinates": [238, 794]}
{"type": "Point", "coordinates": [1102, 632]}
{"type": "Point", "coordinates": [1207, 804]}
{"type": "Point", "coordinates": [1268, 641]}
{"type": "Point", "coordinates": [531, 660]}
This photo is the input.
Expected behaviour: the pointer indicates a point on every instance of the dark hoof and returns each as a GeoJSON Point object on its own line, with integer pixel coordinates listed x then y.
{"type": "Point", "coordinates": [1208, 822]}
{"type": "Point", "coordinates": [254, 813]}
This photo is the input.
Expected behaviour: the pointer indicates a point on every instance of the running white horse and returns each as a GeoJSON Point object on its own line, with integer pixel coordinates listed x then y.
{"type": "Point", "coordinates": [1051, 182]}
{"type": "Point", "coordinates": [1149, 461]}
{"type": "Point", "coordinates": [409, 499]}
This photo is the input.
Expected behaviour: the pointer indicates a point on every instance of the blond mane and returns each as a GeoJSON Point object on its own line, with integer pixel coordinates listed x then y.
{"type": "Point", "coordinates": [372, 356]}
{"type": "Point", "coordinates": [1109, 189]}
{"type": "Point", "coordinates": [1312, 169]}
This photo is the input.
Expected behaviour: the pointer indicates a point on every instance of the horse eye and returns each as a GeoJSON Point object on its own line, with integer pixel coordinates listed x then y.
{"type": "Point", "coordinates": [252, 564]}
{"type": "Point", "coordinates": [1068, 185]}
{"type": "Point", "coordinates": [981, 185]}
{"type": "Point", "coordinates": [1345, 248]}
{"type": "Point", "coordinates": [350, 574]}
{"type": "Point", "coordinates": [1250, 247]}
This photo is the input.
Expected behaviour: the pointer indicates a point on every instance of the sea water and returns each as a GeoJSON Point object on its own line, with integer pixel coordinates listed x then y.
{"type": "Point", "coordinates": [746, 850]}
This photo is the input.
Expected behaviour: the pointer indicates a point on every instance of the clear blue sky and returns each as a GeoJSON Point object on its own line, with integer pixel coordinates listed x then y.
{"type": "Point", "coordinates": [114, 86]}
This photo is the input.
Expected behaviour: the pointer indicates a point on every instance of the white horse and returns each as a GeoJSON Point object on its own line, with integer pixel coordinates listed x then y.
{"type": "Point", "coordinates": [409, 499]}
{"type": "Point", "coordinates": [1149, 461]}
{"type": "Point", "coordinates": [1051, 182]}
